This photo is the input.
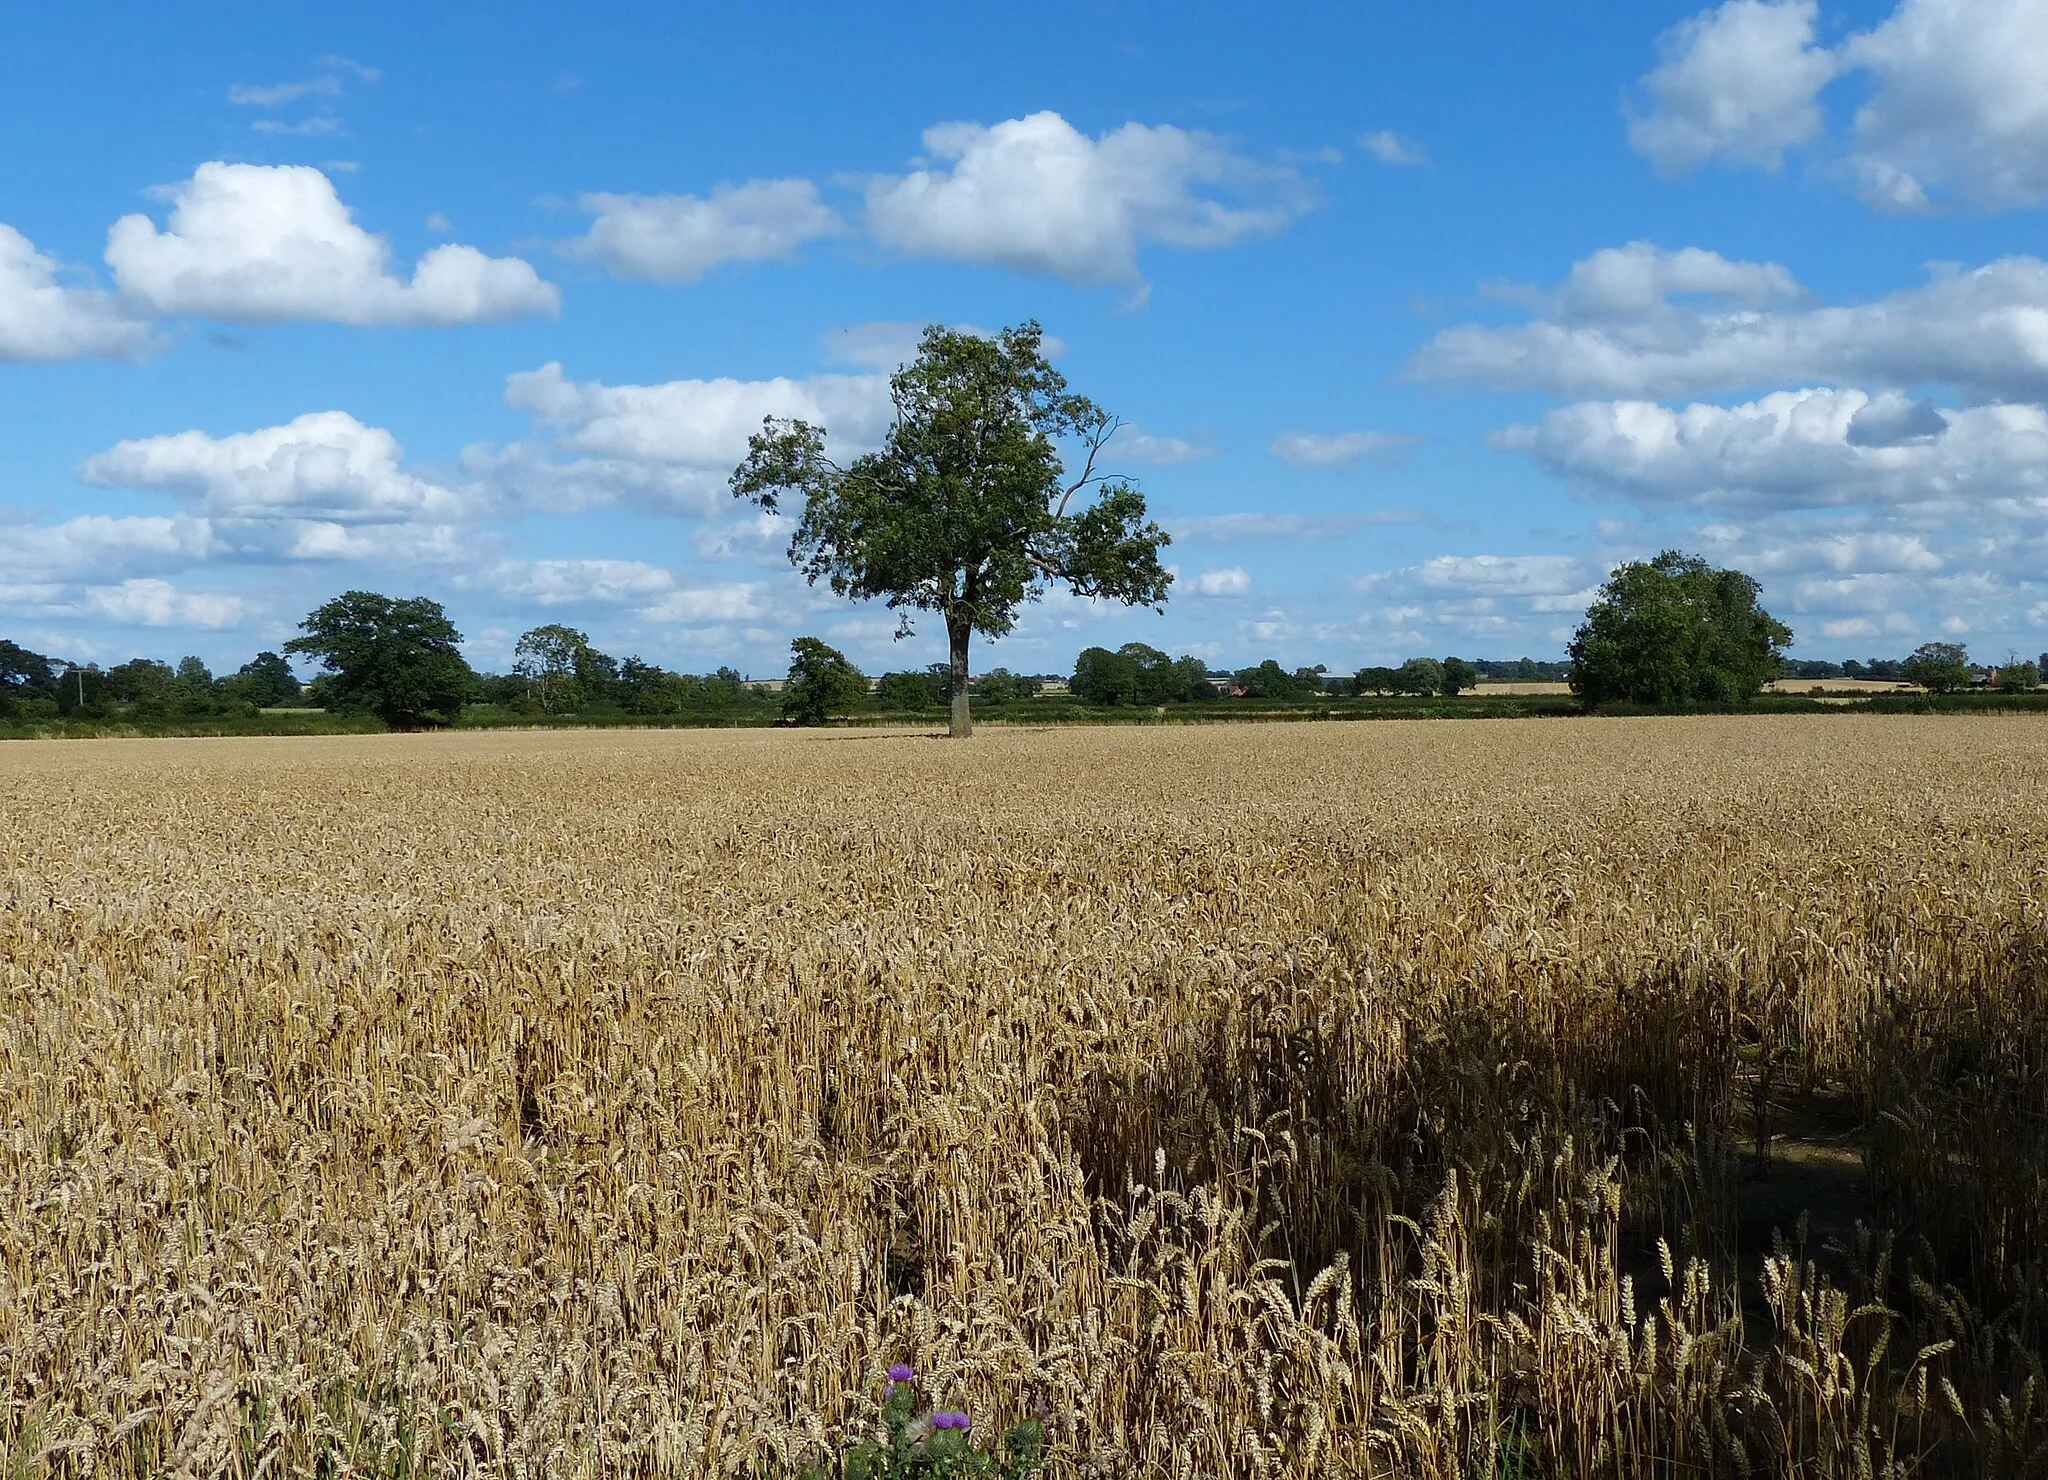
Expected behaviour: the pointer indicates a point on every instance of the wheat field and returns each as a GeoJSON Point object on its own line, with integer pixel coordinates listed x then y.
{"type": "Point", "coordinates": [1420, 1099]}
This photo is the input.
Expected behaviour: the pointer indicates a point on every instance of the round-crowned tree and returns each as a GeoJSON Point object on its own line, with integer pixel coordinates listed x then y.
{"type": "Point", "coordinates": [968, 509]}
{"type": "Point", "coordinates": [1675, 630]}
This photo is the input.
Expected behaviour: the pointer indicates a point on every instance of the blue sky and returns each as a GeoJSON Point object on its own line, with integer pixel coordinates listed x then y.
{"type": "Point", "coordinates": [1421, 317]}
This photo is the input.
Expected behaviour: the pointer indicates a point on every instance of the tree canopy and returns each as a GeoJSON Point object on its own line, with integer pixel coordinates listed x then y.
{"type": "Point", "coordinates": [1675, 630]}
{"type": "Point", "coordinates": [1939, 667]}
{"type": "Point", "coordinates": [821, 683]}
{"type": "Point", "coordinates": [398, 660]}
{"type": "Point", "coordinates": [967, 509]}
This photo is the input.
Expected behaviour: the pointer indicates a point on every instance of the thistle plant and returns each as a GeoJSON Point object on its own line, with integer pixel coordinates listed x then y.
{"type": "Point", "coordinates": [935, 1444]}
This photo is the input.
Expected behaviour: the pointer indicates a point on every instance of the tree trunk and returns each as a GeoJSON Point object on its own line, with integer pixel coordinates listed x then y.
{"type": "Point", "coordinates": [958, 631]}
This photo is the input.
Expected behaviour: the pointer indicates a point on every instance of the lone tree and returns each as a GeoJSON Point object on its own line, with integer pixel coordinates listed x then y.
{"type": "Point", "coordinates": [1675, 630]}
{"type": "Point", "coordinates": [1940, 667]}
{"type": "Point", "coordinates": [821, 683]}
{"type": "Point", "coordinates": [967, 510]}
{"type": "Point", "coordinates": [397, 660]}
{"type": "Point", "coordinates": [547, 658]}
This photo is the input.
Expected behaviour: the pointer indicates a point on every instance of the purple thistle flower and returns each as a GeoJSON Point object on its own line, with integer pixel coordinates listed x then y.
{"type": "Point", "coordinates": [901, 1372]}
{"type": "Point", "coordinates": [961, 1421]}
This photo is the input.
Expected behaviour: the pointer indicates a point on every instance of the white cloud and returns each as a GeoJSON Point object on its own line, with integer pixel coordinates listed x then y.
{"type": "Point", "coordinates": [706, 422]}
{"type": "Point", "coordinates": [1795, 449]}
{"type": "Point", "coordinates": [1740, 84]}
{"type": "Point", "coordinates": [1036, 195]}
{"type": "Point", "coordinates": [155, 603]}
{"type": "Point", "coordinates": [1146, 450]}
{"type": "Point", "coordinates": [670, 446]}
{"type": "Point", "coordinates": [575, 582]}
{"type": "Point", "coordinates": [99, 545]}
{"type": "Point", "coordinates": [1632, 322]}
{"type": "Point", "coordinates": [734, 602]}
{"type": "Point", "coordinates": [1235, 528]}
{"type": "Point", "coordinates": [1334, 449]}
{"type": "Point", "coordinates": [1955, 106]}
{"type": "Point", "coordinates": [678, 238]}
{"type": "Point", "coordinates": [324, 465]}
{"type": "Point", "coordinates": [764, 537]}
{"type": "Point", "coordinates": [262, 243]}
{"type": "Point", "coordinates": [1232, 581]}
{"type": "Point", "coordinates": [42, 318]}
{"type": "Point", "coordinates": [1389, 147]}
{"type": "Point", "coordinates": [1958, 106]}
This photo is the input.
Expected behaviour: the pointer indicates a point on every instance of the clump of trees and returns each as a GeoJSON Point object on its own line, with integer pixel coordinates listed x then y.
{"type": "Point", "coordinates": [1676, 631]}
{"type": "Point", "coordinates": [36, 686]}
{"type": "Point", "coordinates": [1138, 674]}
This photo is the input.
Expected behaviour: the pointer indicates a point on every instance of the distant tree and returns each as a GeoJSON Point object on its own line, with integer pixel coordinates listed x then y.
{"type": "Point", "coordinates": [1001, 686]}
{"type": "Point", "coordinates": [907, 690]}
{"type": "Point", "coordinates": [1376, 681]}
{"type": "Point", "coordinates": [24, 674]}
{"type": "Point", "coordinates": [143, 683]}
{"type": "Point", "coordinates": [1675, 630]}
{"type": "Point", "coordinates": [1104, 677]}
{"type": "Point", "coordinates": [548, 658]}
{"type": "Point", "coordinates": [1191, 680]}
{"type": "Point", "coordinates": [1422, 676]}
{"type": "Point", "coordinates": [821, 683]}
{"type": "Point", "coordinates": [195, 675]}
{"type": "Point", "coordinates": [1458, 676]}
{"type": "Point", "coordinates": [267, 681]}
{"type": "Point", "coordinates": [1939, 667]}
{"type": "Point", "coordinates": [1271, 682]}
{"type": "Point", "coordinates": [965, 509]}
{"type": "Point", "coordinates": [398, 660]}
{"type": "Point", "coordinates": [2019, 676]}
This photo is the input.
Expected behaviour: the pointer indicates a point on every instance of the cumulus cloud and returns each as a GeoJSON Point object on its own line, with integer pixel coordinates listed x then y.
{"type": "Point", "coordinates": [678, 238]}
{"type": "Point", "coordinates": [667, 446]}
{"type": "Point", "coordinates": [574, 582]}
{"type": "Point", "coordinates": [736, 601]}
{"type": "Point", "coordinates": [1795, 449]}
{"type": "Point", "coordinates": [1037, 195]}
{"type": "Point", "coordinates": [1958, 106]}
{"type": "Point", "coordinates": [263, 243]}
{"type": "Point", "coordinates": [324, 465]}
{"type": "Point", "coordinates": [1641, 321]}
{"type": "Point", "coordinates": [1389, 147]}
{"type": "Point", "coordinates": [1334, 449]}
{"type": "Point", "coordinates": [1739, 84]}
{"type": "Point", "coordinates": [1231, 581]}
{"type": "Point", "coordinates": [42, 318]}
{"type": "Point", "coordinates": [157, 603]}
{"type": "Point", "coordinates": [95, 545]}
{"type": "Point", "coordinates": [1955, 107]}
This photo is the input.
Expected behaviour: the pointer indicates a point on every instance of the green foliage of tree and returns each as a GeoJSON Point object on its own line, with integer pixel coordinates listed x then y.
{"type": "Point", "coordinates": [549, 658]}
{"type": "Point", "coordinates": [821, 683]}
{"type": "Point", "coordinates": [967, 509]}
{"type": "Point", "coordinates": [1379, 681]}
{"type": "Point", "coordinates": [1421, 676]}
{"type": "Point", "coordinates": [398, 660]}
{"type": "Point", "coordinates": [1939, 667]}
{"type": "Point", "coordinates": [1675, 630]}
{"type": "Point", "coordinates": [1458, 676]}
{"type": "Point", "coordinates": [1000, 686]}
{"type": "Point", "coordinates": [909, 690]}
{"type": "Point", "coordinates": [26, 678]}
{"type": "Point", "coordinates": [267, 681]}
{"type": "Point", "coordinates": [1269, 681]}
{"type": "Point", "coordinates": [2019, 676]}
{"type": "Point", "coordinates": [1138, 673]}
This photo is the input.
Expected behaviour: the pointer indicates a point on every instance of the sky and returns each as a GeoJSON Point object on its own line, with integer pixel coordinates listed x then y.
{"type": "Point", "coordinates": [1420, 318]}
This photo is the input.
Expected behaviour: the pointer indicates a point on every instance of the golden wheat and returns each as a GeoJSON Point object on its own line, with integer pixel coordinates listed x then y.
{"type": "Point", "coordinates": [1376, 1099]}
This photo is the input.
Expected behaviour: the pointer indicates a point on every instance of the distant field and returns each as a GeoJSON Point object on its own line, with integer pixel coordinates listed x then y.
{"type": "Point", "coordinates": [1521, 688]}
{"type": "Point", "coordinates": [1394, 1099]}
